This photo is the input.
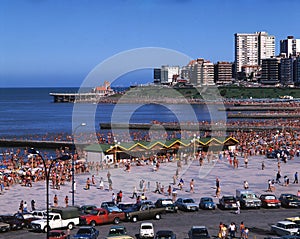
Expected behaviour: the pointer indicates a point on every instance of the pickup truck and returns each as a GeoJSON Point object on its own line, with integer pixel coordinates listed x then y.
{"type": "Point", "coordinates": [143, 212]}
{"type": "Point", "coordinates": [100, 216]}
{"type": "Point", "coordinates": [58, 218]}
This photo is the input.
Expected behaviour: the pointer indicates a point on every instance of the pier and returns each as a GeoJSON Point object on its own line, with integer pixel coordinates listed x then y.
{"type": "Point", "coordinates": [76, 97]}
{"type": "Point", "coordinates": [39, 144]}
{"type": "Point", "coordinates": [193, 127]}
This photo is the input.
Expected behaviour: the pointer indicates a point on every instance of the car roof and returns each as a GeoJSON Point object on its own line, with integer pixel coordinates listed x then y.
{"type": "Point", "coordinates": [198, 227]}
{"type": "Point", "coordinates": [205, 198]}
{"type": "Point", "coordinates": [117, 226]}
{"type": "Point", "coordinates": [286, 222]}
{"type": "Point", "coordinates": [147, 223]}
{"type": "Point", "coordinates": [164, 232]}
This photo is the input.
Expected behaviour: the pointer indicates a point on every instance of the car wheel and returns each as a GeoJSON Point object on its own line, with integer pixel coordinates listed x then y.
{"type": "Point", "coordinates": [157, 216]}
{"type": "Point", "coordinates": [116, 220]}
{"type": "Point", "coordinates": [46, 228]}
{"type": "Point", "coordinates": [93, 223]}
{"type": "Point", "coordinates": [134, 219]}
{"type": "Point", "coordinates": [70, 226]}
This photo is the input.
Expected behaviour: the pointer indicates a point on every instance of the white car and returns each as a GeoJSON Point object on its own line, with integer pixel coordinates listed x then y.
{"type": "Point", "coordinates": [39, 213]}
{"type": "Point", "coordinates": [283, 228]}
{"type": "Point", "coordinates": [146, 230]}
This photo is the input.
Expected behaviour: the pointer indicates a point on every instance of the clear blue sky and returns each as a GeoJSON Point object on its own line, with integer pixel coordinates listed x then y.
{"type": "Point", "coordinates": [58, 42]}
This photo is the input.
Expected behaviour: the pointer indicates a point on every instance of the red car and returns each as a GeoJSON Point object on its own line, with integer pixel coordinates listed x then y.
{"type": "Point", "coordinates": [100, 216]}
{"type": "Point", "coordinates": [58, 234]}
{"type": "Point", "coordinates": [269, 201]}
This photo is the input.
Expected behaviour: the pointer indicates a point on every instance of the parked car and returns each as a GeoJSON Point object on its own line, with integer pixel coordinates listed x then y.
{"type": "Point", "coordinates": [166, 203]}
{"type": "Point", "coordinates": [4, 227]}
{"type": "Point", "coordinates": [289, 200]}
{"type": "Point", "coordinates": [86, 209]}
{"type": "Point", "coordinates": [165, 234]}
{"type": "Point", "coordinates": [39, 213]}
{"type": "Point", "coordinates": [58, 234]}
{"type": "Point", "coordinates": [294, 219]}
{"type": "Point", "coordinates": [124, 206]}
{"type": "Point", "coordinates": [26, 218]}
{"type": "Point", "coordinates": [143, 212]}
{"type": "Point", "coordinates": [283, 228]}
{"type": "Point", "coordinates": [207, 203]}
{"type": "Point", "coordinates": [198, 232]}
{"type": "Point", "coordinates": [86, 233]}
{"type": "Point", "coordinates": [110, 206]}
{"type": "Point", "coordinates": [101, 216]}
{"type": "Point", "coordinates": [13, 222]}
{"type": "Point", "coordinates": [228, 202]}
{"type": "Point", "coordinates": [146, 230]}
{"type": "Point", "coordinates": [186, 204]}
{"type": "Point", "coordinates": [117, 231]}
{"type": "Point", "coordinates": [269, 200]}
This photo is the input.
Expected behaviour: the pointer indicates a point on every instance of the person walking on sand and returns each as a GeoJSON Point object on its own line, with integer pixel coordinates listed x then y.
{"type": "Point", "coordinates": [101, 184]}
{"type": "Point", "coordinates": [55, 200]}
{"type": "Point", "coordinates": [296, 178]}
{"type": "Point", "coordinates": [67, 201]}
{"type": "Point", "coordinates": [192, 186]}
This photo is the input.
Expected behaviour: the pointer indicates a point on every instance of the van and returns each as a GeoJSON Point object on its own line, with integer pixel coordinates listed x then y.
{"type": "Point", "coordinates": [146, 230]}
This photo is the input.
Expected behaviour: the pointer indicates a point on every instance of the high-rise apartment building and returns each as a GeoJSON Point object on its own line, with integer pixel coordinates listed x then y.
{"type": "Point", "coordinates": [168, 73]}
{"type": "Point", "coordinates": [270, 71]}
{"type": "Point", "coordinates": [223, 73]}
{"type": "Point", "coordinates": [252, 48]}
{"type": "Point", "coordinates": [287, 71]}
{"type": "Point", "coordinates": [201, 72]}
{"type": "Point", "coordinates": [297, 71]}
{"type": "Point", "coordinates": [290, 46]}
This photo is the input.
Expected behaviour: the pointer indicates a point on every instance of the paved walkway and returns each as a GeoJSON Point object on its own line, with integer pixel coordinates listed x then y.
{"type": "Point", "coordinates": [204, 177]}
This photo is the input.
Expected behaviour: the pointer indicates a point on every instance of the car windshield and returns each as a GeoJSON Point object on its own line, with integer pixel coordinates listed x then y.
{"type": "Point", "coordinates": [292, 198]}
{"type": "Point", "coordinates": [166, 202]}
{"type": "Point", "coordinates": [229, 199]}
{"type": "Point", "coordinates": [199, 231]}
{"type": "Point", "coordinates": [84, 231]}
{"type": "Point", "coordinates": [108, 204]}
{"type": "Point", "coordinates": [117, 231]}
{"type": "Point", "coordinates": [50, 217]}
{"type": "Point", "coordinates": [206, 200]}
{"type": "Point", "coordinates": [189, 200]}
{"type": "Point", "coordinates": [270, 197]}
{"type": "Point", "coordinates": [146, 227]}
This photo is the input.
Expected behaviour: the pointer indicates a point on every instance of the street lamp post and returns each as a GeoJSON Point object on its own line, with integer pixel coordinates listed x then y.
{"type": "Point", "coordinates": [194, 142]}
{"type": "Point", "coordinates": [73, 164]}
{"type": "Point", "coordinates": [47, 175]}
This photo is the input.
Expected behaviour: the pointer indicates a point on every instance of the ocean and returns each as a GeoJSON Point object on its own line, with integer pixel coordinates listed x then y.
{"type": "Point", "coordinates": [31, 112]}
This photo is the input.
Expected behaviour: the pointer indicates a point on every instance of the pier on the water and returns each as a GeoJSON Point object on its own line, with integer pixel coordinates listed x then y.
{"type": "Point", "coordinates": [75, 97]}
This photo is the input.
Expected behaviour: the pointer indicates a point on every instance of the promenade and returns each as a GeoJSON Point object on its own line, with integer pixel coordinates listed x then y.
{"type": "Point", "coordinates": [204, 178]}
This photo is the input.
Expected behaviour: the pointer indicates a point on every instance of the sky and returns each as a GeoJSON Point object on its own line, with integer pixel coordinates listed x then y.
{"type": "Point", "coordinates": [57, 43]}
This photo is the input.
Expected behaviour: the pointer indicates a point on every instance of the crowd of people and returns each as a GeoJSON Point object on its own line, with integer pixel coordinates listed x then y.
{"type": "Point", "coordinates": [18, 166]}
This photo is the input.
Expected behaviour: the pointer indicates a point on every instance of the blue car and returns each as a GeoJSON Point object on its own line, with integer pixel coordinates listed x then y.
{"type": "Point", "coordinates": [86, 233]}
{"type": "Point", "coordinates": [207, 203]}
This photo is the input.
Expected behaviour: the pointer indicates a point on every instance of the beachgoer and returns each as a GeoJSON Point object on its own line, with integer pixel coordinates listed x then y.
{"type": "Point", "coordinates": [55, 200]}
{"type": "Point", "coordinates": [101, 184]}
{"type": "Point", "coordinates": [134, 193]}
{"type": "Point", "coordinates": [192, 186]}
{"type": "Point", "coordinates": [21, 207]}
{"type": "Point", "coordinates": [296, 177]}
{"type": "Point", "coordinates": [25, 207]}
{"type": "Point", "coordinates": [67, 201]}
{"type": "Point", "coordinates": [246, 185]}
